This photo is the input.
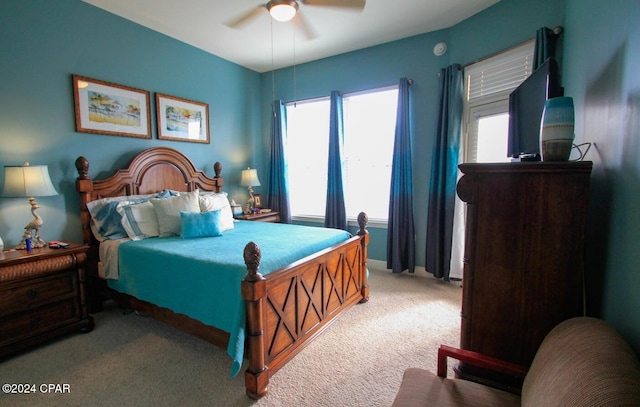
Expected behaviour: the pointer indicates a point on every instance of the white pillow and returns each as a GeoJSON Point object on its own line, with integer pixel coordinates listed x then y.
{"type": "Point", "coordinates": [168, 211]}
{"type": "Point", "coordinates": [139, 220]}
{"type": "Point", "coordinates": [212, 201]}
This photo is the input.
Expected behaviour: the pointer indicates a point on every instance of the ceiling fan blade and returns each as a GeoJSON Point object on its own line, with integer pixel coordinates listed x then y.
{"type": "Point", "coordinates": [302, 25]}
{"type": "Point", "coordinates": [245, 18]}
{"type": "Point", "coordinates": [357, 4]}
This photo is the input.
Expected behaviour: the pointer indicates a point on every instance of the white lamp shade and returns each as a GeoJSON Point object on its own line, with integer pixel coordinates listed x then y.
{"type": "Point", "coordinates": [27, 181]}
{"type": "Point", "coordinates": [250, 178]}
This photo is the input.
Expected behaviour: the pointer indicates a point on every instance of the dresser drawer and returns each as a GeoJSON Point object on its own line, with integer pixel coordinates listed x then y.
{"type": "Point", "coordinates": [28, 294]}
{"type": "Point", "coordinates": [19, 326]}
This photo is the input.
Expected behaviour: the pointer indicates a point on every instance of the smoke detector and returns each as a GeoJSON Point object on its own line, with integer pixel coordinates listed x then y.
{"type": "Point", "coordinates": [439, 49]}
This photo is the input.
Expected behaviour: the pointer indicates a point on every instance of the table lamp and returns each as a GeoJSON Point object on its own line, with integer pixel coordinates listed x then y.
{"type": "Point", "coordinates": [250, 179]}
{"type": "Point", "coordinates": [29, 181]}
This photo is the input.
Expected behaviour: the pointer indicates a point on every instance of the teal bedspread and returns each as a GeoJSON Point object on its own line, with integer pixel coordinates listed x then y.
{"type": "Point", "coordinates": [201, 277]}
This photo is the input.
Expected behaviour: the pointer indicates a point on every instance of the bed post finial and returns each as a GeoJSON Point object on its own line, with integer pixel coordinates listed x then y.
{"type": "Point", "coordinates": [363, 219]}
{"type": "Point", "coordinates": [217, 168]}
{"type": "Point", "coordinates": [252, 255]}
{"type": "Point", "coordinates": [82, 166]}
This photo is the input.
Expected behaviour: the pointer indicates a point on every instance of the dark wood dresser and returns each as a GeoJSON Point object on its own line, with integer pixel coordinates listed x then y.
{"type": "Point", "coordinates": [42, 296]}
{"type": "Point", "coordinates": [523, 258]}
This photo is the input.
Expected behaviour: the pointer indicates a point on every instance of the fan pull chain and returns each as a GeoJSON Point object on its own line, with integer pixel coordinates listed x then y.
{"type": "Point", "coordinates": [273, 76]}
{"type": "Point", "coordinates": [295, 83]}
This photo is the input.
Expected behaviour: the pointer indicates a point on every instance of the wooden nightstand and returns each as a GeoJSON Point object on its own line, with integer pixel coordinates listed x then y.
{"type": "Point", "coordinates": [42, 296]}
{"type": "Point", "coordinates": [262, 217]}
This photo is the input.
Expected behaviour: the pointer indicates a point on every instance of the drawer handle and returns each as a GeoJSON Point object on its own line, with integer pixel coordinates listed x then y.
{"type": "Point", "coordinates": [31, 294]}
{"type": "Point", "coordinates": [36, 320]}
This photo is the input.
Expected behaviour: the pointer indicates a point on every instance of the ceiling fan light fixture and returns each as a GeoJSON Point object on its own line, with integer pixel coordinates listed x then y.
{"type": "Point", "coordinates": [283, 10]}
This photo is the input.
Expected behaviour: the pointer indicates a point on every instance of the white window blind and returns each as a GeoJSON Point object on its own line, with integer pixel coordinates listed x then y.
{"type": "Point", "coordinates": [488, 84]}
{"type": "Point", "coordinates": [500, 73]}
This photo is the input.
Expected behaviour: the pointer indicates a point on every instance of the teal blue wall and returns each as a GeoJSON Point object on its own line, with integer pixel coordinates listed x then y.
{"type": "Point", "coordinates": [508, 23]}
{"type": "Point", "coordinates": [44, 42]}
{"type": "Point", "coordinates": [602, 55]}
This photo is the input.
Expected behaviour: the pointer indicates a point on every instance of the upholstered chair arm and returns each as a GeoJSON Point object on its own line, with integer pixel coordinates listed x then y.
{"type": "Point", "coordinates": [478, 360]}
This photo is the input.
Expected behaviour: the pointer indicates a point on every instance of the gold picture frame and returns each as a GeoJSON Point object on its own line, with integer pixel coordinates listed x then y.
{"type": "Point", "coordinates": [108, 108]}
{"type": "Point", "coordinates": [181, 119]}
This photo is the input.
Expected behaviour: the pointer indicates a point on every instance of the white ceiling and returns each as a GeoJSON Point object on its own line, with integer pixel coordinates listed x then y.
{"type": "Point", "coordinates": [203, 24]}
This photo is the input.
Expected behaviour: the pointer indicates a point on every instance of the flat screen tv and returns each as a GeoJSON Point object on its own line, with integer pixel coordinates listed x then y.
{"type": "Point", "coordinates": [526, 104]}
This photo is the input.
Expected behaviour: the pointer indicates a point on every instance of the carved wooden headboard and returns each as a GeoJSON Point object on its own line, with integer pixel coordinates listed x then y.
{"type": "Point", "coordinates": [152, 170]}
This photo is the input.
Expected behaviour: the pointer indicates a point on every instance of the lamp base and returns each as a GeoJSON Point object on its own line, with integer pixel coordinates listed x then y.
{"type": "Point", "coordinates": [33, 226]}
{"type": "Point", "coordinates": [250, 204]}
{"type": "Point", "coordinates": [36, 242]}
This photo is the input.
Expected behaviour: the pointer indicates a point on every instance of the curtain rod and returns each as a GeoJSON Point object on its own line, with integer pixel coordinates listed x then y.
{"type": "Point", "coordinates": [557, 30]}
{"type": "Point", "coordinates": [347, 93]}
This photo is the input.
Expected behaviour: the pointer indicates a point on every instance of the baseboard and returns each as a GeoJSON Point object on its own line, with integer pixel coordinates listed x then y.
{"type": "Point", "coordinates": [382, 265]}
{"type": "Point", "coordinates": [377, 264]}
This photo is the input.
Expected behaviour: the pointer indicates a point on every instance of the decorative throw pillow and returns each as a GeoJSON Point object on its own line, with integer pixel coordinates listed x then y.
{"type": "Point", "coordinates": [211, 201]}
{"type": "Point", "coordinates": [138, 219]}
{"type": "Point", "coordinates": [109, 222]}
{"type": "Point", "coordinates": [168, 211]}
{"type": "Point", "coordinates": [200, 224]}
{"type": "Point", "coordinates": [106, 222]}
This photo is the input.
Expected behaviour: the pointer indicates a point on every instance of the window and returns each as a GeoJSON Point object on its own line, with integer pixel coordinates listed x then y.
{"type": "Point", "coordinates": [369, 129]}
{"type": "Point", "coordinates": [488, 84]}
{"type": "Point", "coordinates": [488, 129]}
{"type": "Point", "coordinates": [307, 148]}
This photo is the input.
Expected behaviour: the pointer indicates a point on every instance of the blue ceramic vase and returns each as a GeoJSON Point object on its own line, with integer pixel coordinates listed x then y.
{"type": "Point", "coordinates": [557, 129]}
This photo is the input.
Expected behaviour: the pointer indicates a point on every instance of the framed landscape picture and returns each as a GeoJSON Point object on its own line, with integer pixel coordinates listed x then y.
{"type": "Point", "coordinates": [107, 108]}
{"type": "Point", "coordinates": [181, 119]}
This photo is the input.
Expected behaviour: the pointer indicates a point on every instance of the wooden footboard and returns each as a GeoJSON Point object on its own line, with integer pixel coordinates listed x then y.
{"type": "Point", "coordinates": [289, 307]}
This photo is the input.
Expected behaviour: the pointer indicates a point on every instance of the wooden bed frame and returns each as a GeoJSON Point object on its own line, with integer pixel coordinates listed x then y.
{"type": "Point", "coordinates": [286, 309]}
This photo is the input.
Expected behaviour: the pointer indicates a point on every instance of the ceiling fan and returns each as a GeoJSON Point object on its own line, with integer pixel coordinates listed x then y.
{"type": "Point", "coordinates": [286, 10]}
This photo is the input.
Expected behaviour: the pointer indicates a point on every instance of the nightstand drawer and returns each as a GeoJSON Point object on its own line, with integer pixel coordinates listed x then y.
{"type": "Point", "coordinates": [21, 296]}
{"type": "Point", "coordinates": [42, 296]}
{"type": "Point", "coordinates": [19, 326]}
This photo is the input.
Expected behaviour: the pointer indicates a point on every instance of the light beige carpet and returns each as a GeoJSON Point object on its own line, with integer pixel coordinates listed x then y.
{"type": "Point", "coordinates": [129, 360]}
